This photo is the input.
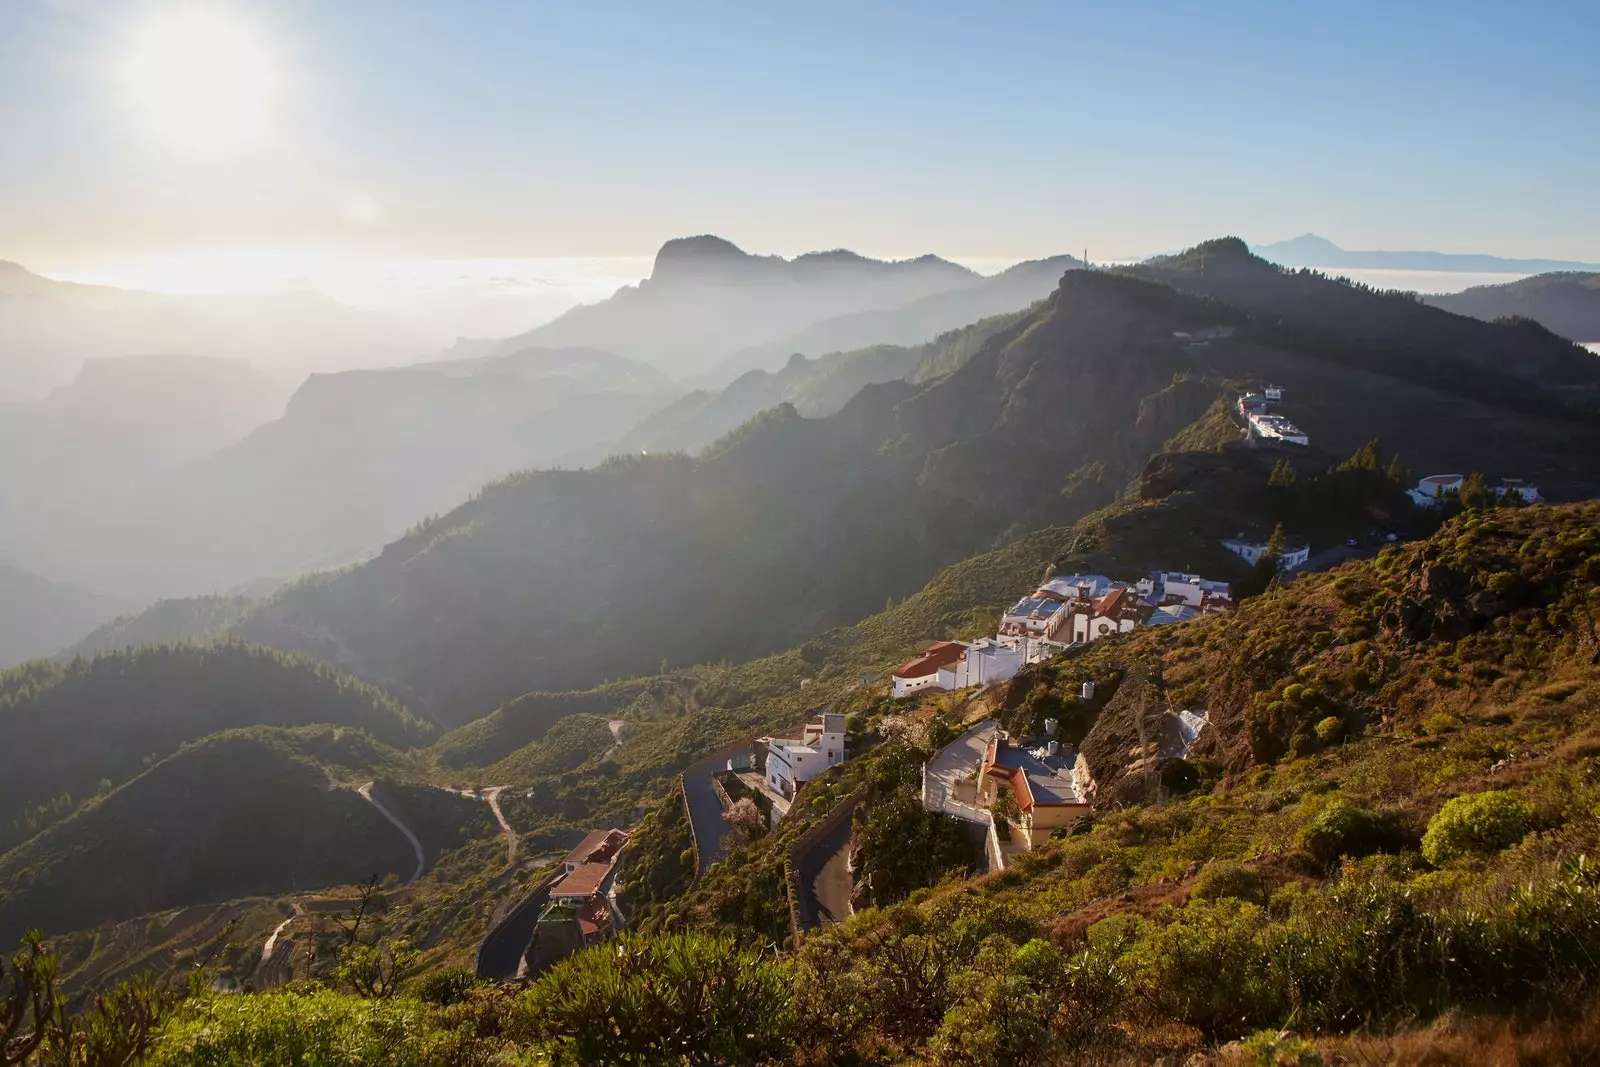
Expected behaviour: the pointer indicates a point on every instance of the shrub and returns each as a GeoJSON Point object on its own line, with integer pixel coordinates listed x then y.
{"type": "Point", "coordinates": [1330, 729]}
{"type": "Point", "coordinates": [647, 999]}
{"type": "Point", "coordinates": [1342, 829]}
{"type": "Point", "coordinates": [1476, 822]}
{"type": "Point", "coordinates": [1226, 878]}
{"type": "Point", "coordinates": [444, 987]}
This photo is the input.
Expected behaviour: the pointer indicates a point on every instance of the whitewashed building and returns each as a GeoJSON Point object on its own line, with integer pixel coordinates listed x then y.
{"type": "Point", "coordinates": [1518, 487]}
{"type": "Point", "coordinates": [922, 672]}
{"type": "Point", "coordinates": [791, 762]}
{"type": "Point", "coordinates": [1432, 490]}
{"type": "Point", "coordinates": [1277, 428]}
{"type": "Point", "coordinates": [984, 661]}
{"type": "Point", "coordinates": [1175, 587]}
{"type": "Point", "coordinates": [1294, 556]}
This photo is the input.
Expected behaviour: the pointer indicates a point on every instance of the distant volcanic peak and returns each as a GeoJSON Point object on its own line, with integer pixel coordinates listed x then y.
{"type": "Point", "coordinates": [697, 257]}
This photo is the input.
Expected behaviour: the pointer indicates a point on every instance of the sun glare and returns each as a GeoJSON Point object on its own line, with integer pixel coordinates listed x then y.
{"type": "Point", "coordinates": [202, 80]}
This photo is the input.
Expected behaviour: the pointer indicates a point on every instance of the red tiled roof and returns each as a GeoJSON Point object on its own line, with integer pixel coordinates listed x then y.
{"type": "Point", "coordinates": [583, 882]}
{"type": "Point", "coordinates": [1108, 603]}
{"type": "Point", "coordinates": [587, 847]}
{"type": "Point", "coordinates": [939, 654]}
{"type": "Point", "coordinates": [599, 845]}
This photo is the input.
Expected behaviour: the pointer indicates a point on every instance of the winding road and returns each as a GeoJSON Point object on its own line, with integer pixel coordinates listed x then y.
{"type": "Point", "coordinates": [825, 879]}
{"type": "Point", "coordinates": [416, 844]}
{"type": "Point", "coordinates": [492, 797]}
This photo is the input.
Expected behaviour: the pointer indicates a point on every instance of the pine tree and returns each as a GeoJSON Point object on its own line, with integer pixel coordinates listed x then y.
{"type": "Point", "coordinates": [1474, 493]}
{"type": "Point", "coordinates": [1276, 542]}
{"type": "Point", "coordinates": [1282, 477]}
{"type": "Point", "coordinates": [1397, 470]}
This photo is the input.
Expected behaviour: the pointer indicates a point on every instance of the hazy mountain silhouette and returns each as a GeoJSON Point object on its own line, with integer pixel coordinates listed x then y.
{"type": "Point", "coordinates": [356, 458]}
{"type": "Point", "coordinates": [1309, 250]}
{"type": "Point", "coordinates": [915, 323]}
{"type": "Point", "coordinates": [39, 617]}
{"type": "Point", "coordinates": [1567, 302]}
{"type": "Point", "coordinates": [48, 328]}
{"type": "Point", "coordinates": [706, 299]}
{"type": "Point", "coordinates": [815, 387]}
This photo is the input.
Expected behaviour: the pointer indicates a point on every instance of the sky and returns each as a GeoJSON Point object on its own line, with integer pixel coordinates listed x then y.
{"type": "Point", "coordinates": [411, 130]}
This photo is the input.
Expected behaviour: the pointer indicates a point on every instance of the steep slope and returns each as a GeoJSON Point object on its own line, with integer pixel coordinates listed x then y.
{"type": "Point", "coordinates": [560, 579]}
{"type": "Point", "coordinates": [706, 299]}
{"type": "Point", "coordinates": [1566, 302]}
{"type": "Point", "coordinates": [38, 617]}
{"type": "Point", "coordinates": [70, 732]}
{"type": "Point", "coordinates": [816, 387]}
{"type": "Point", "coordinates": [356, 458]}
{"type": "Point", "coordinates": [1392, 332]}
{"type": "Point", "coordinates": [238, 814]}
{"type": "Point", "coordinates": [1012, 290]}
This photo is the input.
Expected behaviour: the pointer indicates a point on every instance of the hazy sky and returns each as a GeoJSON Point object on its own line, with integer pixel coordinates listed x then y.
{"type": "Point", "coordinates": [417, 128]}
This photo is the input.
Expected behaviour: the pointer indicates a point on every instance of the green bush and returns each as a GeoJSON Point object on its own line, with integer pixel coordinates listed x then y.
{"type": "Point", "coordinates": [443, 987]}
{"type": "Point", "coordinates": [1477, 822]}
{"type": "Point", "coordinates": [1330, 729]}
{"type": "Point", "coordinates": [289, 1029]}
{"type": "Point", "coordinates": [1342, 829]}
{"type": "Point", "coordinates": [648, 1000]}
{"type": "Point", "coordinates": [1226, 878]}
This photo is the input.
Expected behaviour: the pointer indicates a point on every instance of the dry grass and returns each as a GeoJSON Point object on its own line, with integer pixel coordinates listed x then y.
{"type": "Point", "coordinates": [1478, 1042]}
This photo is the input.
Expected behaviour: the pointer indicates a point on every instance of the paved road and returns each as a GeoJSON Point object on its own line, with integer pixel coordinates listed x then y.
{"type": "Point", "coordinates": [492, 795]}
{"type": "Point", "coordinates": [416, 845]}
{"type": "Point", "coordinates": [705, 810]}
{"type": "Point", "coordinates": [825, 881]}
{"type": "Point", "coordinates": [500, 954]}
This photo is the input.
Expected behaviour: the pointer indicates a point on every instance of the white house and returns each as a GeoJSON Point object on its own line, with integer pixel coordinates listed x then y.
{"type": "Point", "coordinates": [1277, 428]}
{"type": "Point", "coordinates": [1174, 587]}
{"type": "Point", "coordinates": [791, 762]}
{"type": "Point", "coordinates": [1273, 392]}
{"type": "Point", "coordinates": [1076, 587]}
{"type": "Point", "coordinates": [984, 661]}
{"type": "Point", "coordinates": [1431, 491]}
{"type": "Point", "coordinates": [1035, 616]}
{"type": "Point", "coordinates": [923, 671]}
{"type": "Point", "coordinates": [1528, 493]}
{"type": "Point", "coordinates": [1250, 551]}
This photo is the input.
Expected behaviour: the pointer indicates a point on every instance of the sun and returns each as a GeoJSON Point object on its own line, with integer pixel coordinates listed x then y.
{"type": "Point", "coordinates": [202, 80]}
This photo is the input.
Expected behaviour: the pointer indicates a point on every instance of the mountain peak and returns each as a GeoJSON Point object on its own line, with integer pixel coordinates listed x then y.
{"type": "Point", "coordinates": [698, 256]}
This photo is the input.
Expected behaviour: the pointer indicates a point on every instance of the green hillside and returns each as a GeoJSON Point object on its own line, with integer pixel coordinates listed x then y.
{"type": "Point", "coordinates": [70, 732]}
{"type": "Point", "coordinates": [241, 813]}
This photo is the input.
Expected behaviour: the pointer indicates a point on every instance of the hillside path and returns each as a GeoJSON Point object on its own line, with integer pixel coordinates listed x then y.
{"type": "Point", "coordinates": [272, 942]}
{"type": "Point", "coordinates": [492, 797]}
{"type": "Point", "coordinates": [416, 844]}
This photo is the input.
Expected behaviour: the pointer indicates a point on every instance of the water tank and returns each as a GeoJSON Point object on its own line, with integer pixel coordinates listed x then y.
{"type": "Point", "coordinates": [1087, 692]}
{"type": "Point", "coordinates": [1052, 748]}
{"type": "Point", "coordinates": [1050, 727]}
